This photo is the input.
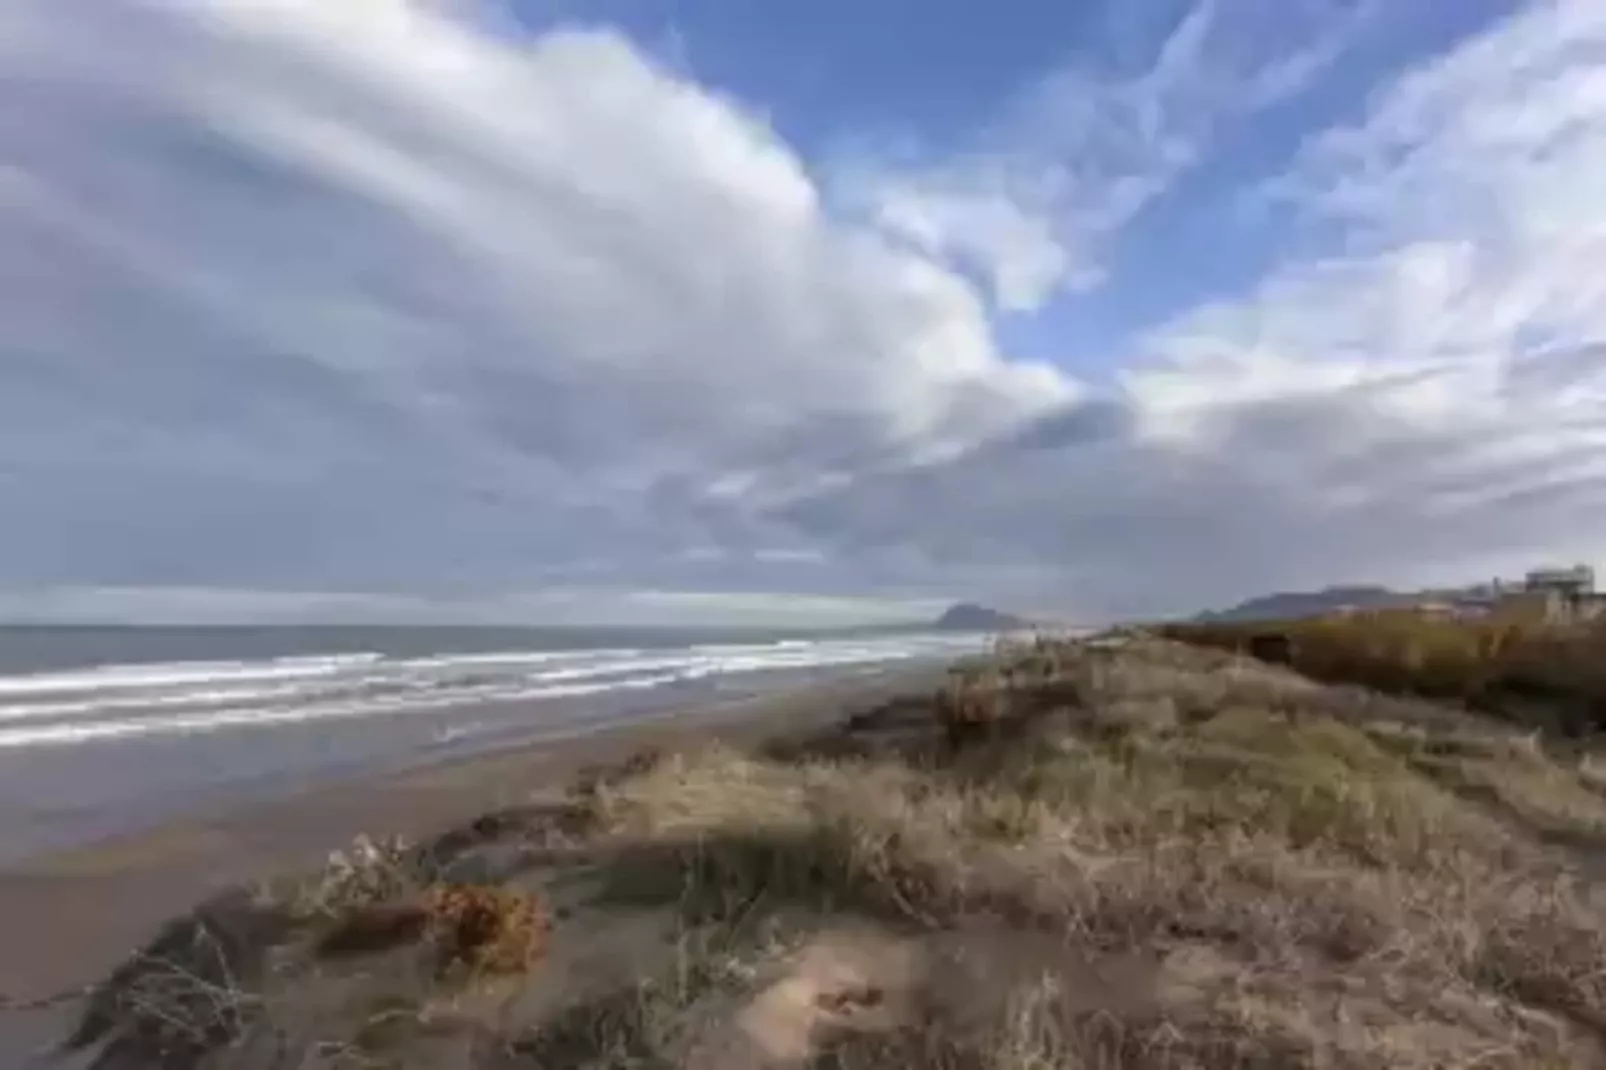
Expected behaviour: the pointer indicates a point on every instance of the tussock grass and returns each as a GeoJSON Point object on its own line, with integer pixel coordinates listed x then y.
{"type": "Point", "coordinates": [1173, 858]}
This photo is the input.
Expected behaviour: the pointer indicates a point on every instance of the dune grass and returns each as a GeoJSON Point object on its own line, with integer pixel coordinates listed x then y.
{"type": "Point", "coordinates": [1147, 856]}
{"type": "Point", "coordinates": [1551, 674]}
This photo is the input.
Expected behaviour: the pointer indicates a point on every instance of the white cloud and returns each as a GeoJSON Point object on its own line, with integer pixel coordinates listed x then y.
{"type": "Point", "coordinates": [1474, 258]}
{"type": "Point", "coordinates": [1015, 247]}
{"type": "Point", "coordinates": [1030, 205]}
{"type": "Point", "coordinates": [556, 606]}
{"type": "Point", "coordinates": [383, 282]}
{"type": "Point", "coordinates": [1416, 394]}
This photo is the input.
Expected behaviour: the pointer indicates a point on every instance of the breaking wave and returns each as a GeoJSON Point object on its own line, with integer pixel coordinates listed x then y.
{"type": "Point", "coordinates": [119, 701]}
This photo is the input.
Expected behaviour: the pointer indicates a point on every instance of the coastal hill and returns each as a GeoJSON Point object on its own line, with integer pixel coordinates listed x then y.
{"type": "Point", "coordinates": [967, 617]}
{"type": "Point", "coordinates": [1293, 605]}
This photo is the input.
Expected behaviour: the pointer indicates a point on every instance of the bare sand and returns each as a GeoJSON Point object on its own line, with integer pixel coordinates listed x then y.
{"type": "Point", "coordinates": [68, 918]}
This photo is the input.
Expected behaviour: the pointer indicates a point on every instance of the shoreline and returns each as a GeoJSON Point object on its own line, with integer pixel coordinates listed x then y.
{"type": "Point", "coordinates": [545, 722]}
{"type": "Point", "coordinates": [68, 916]}
{"type": "Point", "coordinates": [123, 747]}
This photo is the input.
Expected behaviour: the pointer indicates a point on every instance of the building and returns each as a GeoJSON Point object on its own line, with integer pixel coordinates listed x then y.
{"type": "Point", "coordinates": [1577, 581]}
{"type": "Point", "coordinates": [1557, 596]}
{"type": "Point", "coordinates": [1548, 595]}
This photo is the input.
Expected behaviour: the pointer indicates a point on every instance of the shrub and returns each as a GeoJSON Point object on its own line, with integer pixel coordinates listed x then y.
{"type": "Point", "coordinates": [1018, 681]}
{"type": "Point", "coordinates": [485, 929]}
{"type": "Point", "coordinates": [488, 929]}
{"type": "Point", "coordinates": [1489, 663]}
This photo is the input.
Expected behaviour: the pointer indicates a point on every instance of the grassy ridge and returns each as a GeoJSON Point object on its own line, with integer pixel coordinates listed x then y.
{"type": "Point", "coordinates": [1151, 856]}
{"type": "Point", "coordinates": [1550, 673]}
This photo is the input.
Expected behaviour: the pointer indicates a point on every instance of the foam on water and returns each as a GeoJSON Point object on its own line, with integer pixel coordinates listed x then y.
{"type": "Point", "coordinates": [261, 717]}
{"type": "Point", "coordinates": [63, 708]}
{"type": "Point", "coordinates": [178, 673]}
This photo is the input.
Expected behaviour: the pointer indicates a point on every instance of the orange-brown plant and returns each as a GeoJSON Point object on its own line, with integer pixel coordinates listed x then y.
{"type": "Point", "coordinates": [488, 929]}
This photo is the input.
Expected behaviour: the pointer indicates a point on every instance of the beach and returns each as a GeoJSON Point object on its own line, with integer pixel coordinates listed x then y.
{"type": "Point", "coordinates": [1130, 853]}
{"type": "Point", "coordinates": [67, 916]}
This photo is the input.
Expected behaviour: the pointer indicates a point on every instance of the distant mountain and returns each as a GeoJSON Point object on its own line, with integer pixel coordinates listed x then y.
{"type": "Point", "coordinates": [966, 617]}
{"type": "Point", "coordinates": [1292, 605]}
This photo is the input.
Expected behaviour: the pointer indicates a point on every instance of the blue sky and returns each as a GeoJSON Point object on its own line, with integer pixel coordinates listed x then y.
{"type": "Point", "coordinates": [643, 310]}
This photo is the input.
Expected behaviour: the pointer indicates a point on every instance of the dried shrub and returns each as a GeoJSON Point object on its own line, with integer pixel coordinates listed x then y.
{"type": "Point", "coordinates": [487, 929]}
{"type": "Point", "coordinates": [367, 873]}
{"type": "Point", "coordinates": [482, 928]}
{"type": "Point", "coordinates": [1497, 664]}
{"type": "Point", "coordinates": [1020, 680]}
{"type": "Point", "coordinates": [970, 705]}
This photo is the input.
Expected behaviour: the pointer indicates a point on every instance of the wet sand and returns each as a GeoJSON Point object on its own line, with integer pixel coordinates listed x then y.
{"type": "Point", "coordinates": [67, 918]}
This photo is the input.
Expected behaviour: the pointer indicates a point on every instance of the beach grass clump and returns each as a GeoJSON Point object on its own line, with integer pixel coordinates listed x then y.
{"type": "Point", "coordinates": [368, 872]}
{"type": "Point", "coordinates": [1020, 680]}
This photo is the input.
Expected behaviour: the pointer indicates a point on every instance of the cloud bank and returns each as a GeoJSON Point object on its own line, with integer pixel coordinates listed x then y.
{"type": "Point", "coordinates": [300, 296]}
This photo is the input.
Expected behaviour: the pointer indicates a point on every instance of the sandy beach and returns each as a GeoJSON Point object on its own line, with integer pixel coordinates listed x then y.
{"type": "Point", "coordinates": [68, 917]}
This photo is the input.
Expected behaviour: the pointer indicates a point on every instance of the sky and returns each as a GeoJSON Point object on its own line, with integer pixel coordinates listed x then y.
{"type": "Point", "coordinates": [694, 311]}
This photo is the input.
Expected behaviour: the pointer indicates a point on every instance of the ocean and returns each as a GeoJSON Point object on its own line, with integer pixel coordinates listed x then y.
{"type": "Point", "coordinates": [106, 730]}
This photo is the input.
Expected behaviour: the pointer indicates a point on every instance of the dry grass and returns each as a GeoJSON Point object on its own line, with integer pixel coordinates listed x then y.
{"type": "Point", "coordinates": [1305, 892]}
{"type": "Point", "coordinates": [1176, 859]}
{"type": "Point", "coordinates": [1554, 675]}
{"type": "Point", "coordinates": [1513, 774]}
{"type": "Point", "coordinates": [984, 698]}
